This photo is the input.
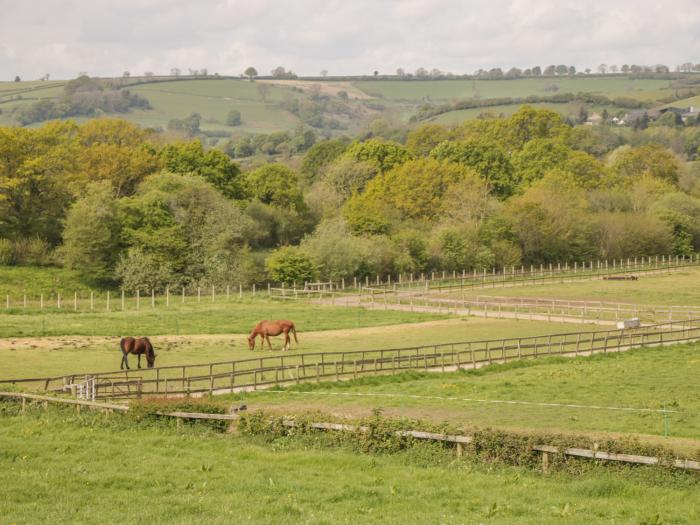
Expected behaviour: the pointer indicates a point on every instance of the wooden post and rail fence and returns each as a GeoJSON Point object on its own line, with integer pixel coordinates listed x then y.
{"type": "Point", "coordinates": [287, 368]}
{"type": "Point", "coordinates": [461, 442]}
{"type": "Point", "coordinates": [119, 300]}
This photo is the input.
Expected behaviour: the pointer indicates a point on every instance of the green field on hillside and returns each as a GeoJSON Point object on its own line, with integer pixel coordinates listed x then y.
{"type": "Point", "coordinates": [214, 98]}
{"type": "Point", "coordinates": [460, 89]}
{"type": "Point", "coordinates": [646, 378]}
{"type": "Point", "coordinates": [63, 467]}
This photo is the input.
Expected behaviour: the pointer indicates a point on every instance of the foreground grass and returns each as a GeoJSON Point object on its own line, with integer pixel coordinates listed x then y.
{"type": "Point", "coordinates": [652, 378]}
{"type": "Point", "coordinates": [677, 288]}
{"type": "Point", "coordinates": [39, 357]}
{"type": "Point", "coordinates": [59, 467]}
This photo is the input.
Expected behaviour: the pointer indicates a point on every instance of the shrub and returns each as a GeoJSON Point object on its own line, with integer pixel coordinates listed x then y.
{"type": "Point", "coordinates": [34, 251]}
{"type": "Point", "coordinates": [7, 252]}
{"type": "Point", "coordinates": [290, 265]}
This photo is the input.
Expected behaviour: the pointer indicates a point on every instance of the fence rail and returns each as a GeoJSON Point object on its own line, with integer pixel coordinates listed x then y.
{"type": "Point", "coordinates": [263, 372]}
{"type": "Point", "coordinates": [531, 308]}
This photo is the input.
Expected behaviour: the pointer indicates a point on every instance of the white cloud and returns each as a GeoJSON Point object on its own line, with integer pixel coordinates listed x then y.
{"type": "Point", "coordinates": [106, 37]}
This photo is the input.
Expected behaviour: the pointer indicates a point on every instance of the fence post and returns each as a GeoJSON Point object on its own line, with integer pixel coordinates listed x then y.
{"type": "Point", "coordinates": [167, 296]}
{"type": "Point", "coordinates": [108, 305]}
{"type": "Point", "coordinates": [92, 300]}
{"type": "Point", "coordinates": [58, 300]}
{"type": "Point", "coordinates": [153, 297]}
{"type": "Point", "coordinates": [123, 299]}
{"type": "Point", "coordinates": [213, 293]}
{"type": "Point", "coordinates": [138, 298]}
{"type": "Point", "coordinates": [199, 294]}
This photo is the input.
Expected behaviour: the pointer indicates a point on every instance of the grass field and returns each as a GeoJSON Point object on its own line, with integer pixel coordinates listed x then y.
{"type": "Point", "coordinates": [456, 89]}
{"type": "Point", "coordinates": [677, 288]}
{"type": "Point", "coordinates": [38, 357]}
{"type": "Point", "coordinates": [234, 316]}
{"type": "Point", "coordinates": [61, 467]}
{"type": "Point", "coordinates": [648, 378]}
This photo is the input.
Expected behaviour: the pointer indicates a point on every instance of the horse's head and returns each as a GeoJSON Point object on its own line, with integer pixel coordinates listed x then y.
{"type": "Point", "coordinates": [251, 342]}
{"type": "Point", "coordinates": [150, 357]}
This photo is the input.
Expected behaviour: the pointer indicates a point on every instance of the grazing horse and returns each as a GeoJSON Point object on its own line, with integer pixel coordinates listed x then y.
{"type": "Point", "coordinates": [140, 346]}
{"type": "Point", "coordinates": [265, 329]}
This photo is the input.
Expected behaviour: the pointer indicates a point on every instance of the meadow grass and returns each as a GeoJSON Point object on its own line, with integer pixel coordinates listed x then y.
{"type": "Point", "coordinates": [61, 467]}
{"type": "Point", "coordinates": [450, 89]}
{"type": "Point", "coordinates": [16, 281]}
{"type": "Point", "coordinates": [677, 288]}
{"type": "Point", "coordinates": [224, 317]}
{"type": "Point", "coordinates": [647, 378]}
{"type": "Point", "coordinates": [41, 357]}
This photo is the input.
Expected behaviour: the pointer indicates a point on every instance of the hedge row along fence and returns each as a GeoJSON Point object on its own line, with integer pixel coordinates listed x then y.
{"type": "Point", "coordinates": [120, 300]}
{"type": "Point", "coordinates": [263, 372]}
{"type": "Point", "coordinates": [379, 435]}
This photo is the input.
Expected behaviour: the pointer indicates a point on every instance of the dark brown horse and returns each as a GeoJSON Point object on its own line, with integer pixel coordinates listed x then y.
{"type": "Point", "coordinates": [265, 329]}
{"type": "Point", "coordinates": [140, 346]}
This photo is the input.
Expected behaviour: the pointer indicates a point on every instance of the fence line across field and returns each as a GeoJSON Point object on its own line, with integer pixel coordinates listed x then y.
{"type": "Point", "coordinates": [528, 308]}
{"type": "Point", "coordinates": [458, 440]}
{"type": "Point", "coordinates": [119, 300]}
{"type": "Point", "coordinates": [263, 372]}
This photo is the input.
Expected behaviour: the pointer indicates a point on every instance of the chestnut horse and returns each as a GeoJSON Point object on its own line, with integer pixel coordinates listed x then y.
{"type": "Point", "coordinates": [140, 346]}
{"type": "Point", "coordinates": [265, 329]}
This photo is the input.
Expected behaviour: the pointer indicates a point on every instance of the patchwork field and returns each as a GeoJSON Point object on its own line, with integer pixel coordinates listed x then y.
{"type": "Point", "coordinates": [214, 98]}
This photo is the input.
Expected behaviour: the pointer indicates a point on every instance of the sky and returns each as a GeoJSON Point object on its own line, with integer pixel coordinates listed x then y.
{"type": "Point", "coordinates": [349, 37]}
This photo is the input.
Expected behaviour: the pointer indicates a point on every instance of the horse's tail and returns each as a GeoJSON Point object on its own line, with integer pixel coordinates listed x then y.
{"type": "Point", "coordinates": [122, 342]}
{"type": "Point", "coordinates": [294, 331]}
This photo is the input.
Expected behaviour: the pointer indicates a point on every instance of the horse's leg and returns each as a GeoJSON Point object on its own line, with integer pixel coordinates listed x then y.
{"type": "Point", "coordinates": [126, 361]}
{"type": "Point", "coordinates": [269, 344]}
{"type": "Point", "coordinates": [121, 367]}
{"type": "Point", "coordinates": [139, 360]}
{"type": "Point", "coordinates": [287, 341]}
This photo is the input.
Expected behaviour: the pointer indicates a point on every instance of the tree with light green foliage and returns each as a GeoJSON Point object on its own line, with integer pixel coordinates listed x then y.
{"type": "Point", "coordinates": [319, 156]}
{"type": "Point", "coordinates": [488, 160]}
{"type": "Point", "coordinates": [212, 165]}
{"type": "Point", "coordinates": [92, 235]}
{"type": "Point", "coordinates": [290, 265]}
{"type": "Point", "coordinates": [384, 155]}
{"type": "Point", "coordinates": [651, 159]}
{"type": "Point", "coordinates": [277, 185]}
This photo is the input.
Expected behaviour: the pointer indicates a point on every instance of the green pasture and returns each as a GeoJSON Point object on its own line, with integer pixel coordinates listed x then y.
{"type": "Point", "coordinates": [41, 357]}
{"type": "Point", "coordinates": [213, 99]}
{"type": "Point", "coordinates": [61, 467]}
{"type": "Point", "coordinates": [16, 281]}
{"type": "Point", "coordinates": [459, 89]}
{"type": "Point", "coordinates": [677, 288]}
{"type": "Point", "coordinates": [648, 378]}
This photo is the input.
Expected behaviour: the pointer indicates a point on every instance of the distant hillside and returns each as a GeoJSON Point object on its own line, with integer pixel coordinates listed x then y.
{"type": "Point", "coordinates": [341, 106]}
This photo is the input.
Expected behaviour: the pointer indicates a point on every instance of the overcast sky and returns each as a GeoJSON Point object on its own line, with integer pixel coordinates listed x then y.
{"type": "Point", "coordinates": [107, 37]}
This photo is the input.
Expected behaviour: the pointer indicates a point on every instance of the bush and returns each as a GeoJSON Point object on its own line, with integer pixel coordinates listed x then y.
{"type": "Point", "coordinates": [34, 251]}
{"type": "Point", "coordinates": [7, 252]}
{"type": "Point", "coordinates": [290, 265]}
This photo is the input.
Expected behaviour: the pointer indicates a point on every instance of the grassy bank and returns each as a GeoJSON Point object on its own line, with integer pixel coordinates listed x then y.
{"type": "Point", "coordinates": [140, 474]}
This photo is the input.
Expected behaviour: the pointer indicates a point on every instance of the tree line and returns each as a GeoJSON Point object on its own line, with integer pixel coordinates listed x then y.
{"type": "Point", "coordinates": [121, 207]}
